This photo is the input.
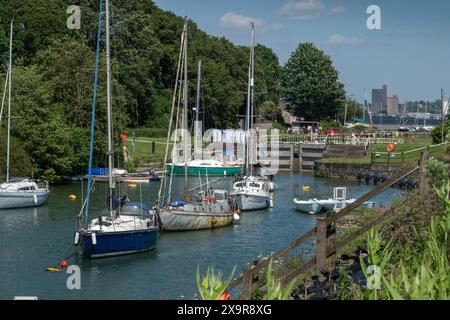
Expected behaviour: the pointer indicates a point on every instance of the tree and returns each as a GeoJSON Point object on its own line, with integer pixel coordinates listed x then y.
{"type": "Point", "coordinates": [270, 111]}
{"type": "Point", "coordinates": [310, 84]}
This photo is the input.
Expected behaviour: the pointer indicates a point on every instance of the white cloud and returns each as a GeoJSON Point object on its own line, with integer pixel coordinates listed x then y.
{"type": "Point", "coordinates": [234, 20]}
{"type": "Point", "coordinates": [277, 27]}
{"type": "Point", "coordinates": [302, 9]}
{"type": "Point", "coordinates": [338, 39]}
{"type": "Point", "coordinates": [337, 10]}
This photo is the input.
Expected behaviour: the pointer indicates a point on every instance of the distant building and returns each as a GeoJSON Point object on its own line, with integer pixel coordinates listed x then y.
{"type": "Point", "coordinates": [393, 105]}
{"type": "Point", "coordinates": [379, 100]}
{"type": "Point", "coordinates": [381, 103]}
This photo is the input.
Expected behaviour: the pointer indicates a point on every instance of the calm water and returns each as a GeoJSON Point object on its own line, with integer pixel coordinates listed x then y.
{"type": "Point", "coordinates": [33, 239]}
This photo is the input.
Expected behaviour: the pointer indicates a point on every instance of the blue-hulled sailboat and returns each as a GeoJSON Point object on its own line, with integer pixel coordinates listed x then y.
{"type": "Point", "coordinates": [123, 227]}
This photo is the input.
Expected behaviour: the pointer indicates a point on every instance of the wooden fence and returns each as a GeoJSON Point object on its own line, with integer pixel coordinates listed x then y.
{"type": "Point", "coordinates": [327, 244]}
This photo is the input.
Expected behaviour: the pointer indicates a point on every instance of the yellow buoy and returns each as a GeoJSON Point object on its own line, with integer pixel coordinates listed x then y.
{"type": "Point", "coordinates": [306, 188]}
{"type": "Point", "coordinates": [53, 269]}
{"type": "Point", "coordinates": [132, 185]}
{"type": "Point", "coordinates": [72, 197]}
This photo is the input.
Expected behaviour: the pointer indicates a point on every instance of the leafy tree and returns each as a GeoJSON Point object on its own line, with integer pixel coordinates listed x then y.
{"type": "Point", "coordinates": [270, 111]}
{"type": "Point", "coordinates": [48, 137]}
{"type": "Point", "coordinates": [310, 84]}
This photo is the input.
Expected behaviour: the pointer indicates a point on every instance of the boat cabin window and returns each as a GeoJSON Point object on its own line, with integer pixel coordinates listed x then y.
{"type": "Point", "coordinates": [254, 185]}
{"type": "Point", "coordinates": [239, 185]}
{"type": "Point", "coordinates": [220, 195]}
{"type": "Point", "coordinates": [134, 209]}
{"type": "Point", "coordinates": [28, 188]}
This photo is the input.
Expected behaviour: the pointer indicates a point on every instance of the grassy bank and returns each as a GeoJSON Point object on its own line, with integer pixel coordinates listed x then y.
{"type": "Point", "coordinates": [411, 150]}
{"type": "Point", "coordinates": [144, 154]}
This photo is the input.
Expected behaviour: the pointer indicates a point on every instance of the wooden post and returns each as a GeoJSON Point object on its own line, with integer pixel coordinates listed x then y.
{"type": "Point", "coordinates": [321, 243]}
{"type": "Point", "coordinates": [247, 284]}
{"type": "Point", "coordinates": [423, 184]}
{"type": "Point", "coordinates": [331, 245]}
{"type": "Point", "coordinates": [153, 146]}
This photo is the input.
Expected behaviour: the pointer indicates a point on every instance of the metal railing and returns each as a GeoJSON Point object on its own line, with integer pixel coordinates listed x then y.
{"type": "Point", "coordinates": [406, 156]}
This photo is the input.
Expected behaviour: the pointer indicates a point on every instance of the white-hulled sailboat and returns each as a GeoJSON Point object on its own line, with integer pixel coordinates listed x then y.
{"type": "Point", "coordinates": [252, 192]}
{"type": "Point", "coordinates": [208, 210]}
{"type": "Point", "coordinates": [18, 193]}
{"type": "Point", "coordinates": [123, 227]}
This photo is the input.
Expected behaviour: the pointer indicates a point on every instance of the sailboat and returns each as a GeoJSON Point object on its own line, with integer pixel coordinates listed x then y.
{"type": "Point", "coordinates": [210, 208]}
{"type": "Point", "coordinates": [212, 167]}
{"type": "Point", "coordinates": [19, 193]}
{"type": "Point", "coordinates": [252, 192]}
{"type": "Point", "coordinates": [123, 227]}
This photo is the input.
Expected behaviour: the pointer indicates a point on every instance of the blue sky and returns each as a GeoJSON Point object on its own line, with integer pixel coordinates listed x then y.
{"type": "Point", "coordinates": [411, 53]}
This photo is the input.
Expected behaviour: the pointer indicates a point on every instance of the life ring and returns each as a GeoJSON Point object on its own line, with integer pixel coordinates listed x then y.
{"type": "Point", "coordinates": [390, 147]}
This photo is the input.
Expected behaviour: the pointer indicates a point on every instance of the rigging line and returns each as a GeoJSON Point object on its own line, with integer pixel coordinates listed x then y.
{"type": "Point", "coordinates": [94, 104]}
{"type": "Point", "coordinates": [4, 95]}
{"type": "Point", "coordinates": [170, 122]}
{"type": "Point", "coordinates": [175, 135]}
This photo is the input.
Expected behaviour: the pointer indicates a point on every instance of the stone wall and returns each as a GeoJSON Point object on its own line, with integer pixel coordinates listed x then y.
{"type": "Point", "coordinates": [350, 170]}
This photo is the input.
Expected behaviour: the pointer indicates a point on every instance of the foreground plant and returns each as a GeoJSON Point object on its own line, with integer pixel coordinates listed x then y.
{"type": "Point", "coordinates": [424, 275]}
{"type": "Point", "coordinates": [378, 259]}
{"type": "Point", "coordinates": [274, 289]}
{"type": "Point", "coordinates": [211, 286]}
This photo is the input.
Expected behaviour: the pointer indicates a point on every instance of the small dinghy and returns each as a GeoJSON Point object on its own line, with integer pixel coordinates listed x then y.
{"type": "Point", "coordinates": [338, 202]}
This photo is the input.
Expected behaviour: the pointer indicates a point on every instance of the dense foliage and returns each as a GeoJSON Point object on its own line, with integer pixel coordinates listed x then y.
{"type": "Point", "coordinates": [53, 77]}
{"type": "Point", "coordinates": [310, 84]}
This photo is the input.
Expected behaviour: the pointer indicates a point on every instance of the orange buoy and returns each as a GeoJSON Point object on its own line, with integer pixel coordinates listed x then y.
{"type": "Point", "coordinates": [390, 147]}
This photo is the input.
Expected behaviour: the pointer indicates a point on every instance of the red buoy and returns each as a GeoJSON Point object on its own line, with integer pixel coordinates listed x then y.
{"type": "Point", "coordinates": [63, 264]}
{"type": "Point", "coordinates": [225, 296]}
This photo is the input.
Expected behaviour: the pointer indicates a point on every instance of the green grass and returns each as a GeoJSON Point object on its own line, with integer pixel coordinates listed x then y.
{"type": "Point", "coordinates": [395, 158]}
{"type": "Point", "coordinates": [143, 150]}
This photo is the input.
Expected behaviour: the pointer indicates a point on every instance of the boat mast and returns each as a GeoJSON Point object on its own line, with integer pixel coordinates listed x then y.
{"type": "Point", "coordinates": [365, 107]}
{"type": "Point", "coordinates": [186, 152]}
{"type": "Point", "coordinates": [250, 98]}
{"type": "Point", "coordinates": [197, 101]}
{"type": "Point", "coordinates": [109, 109]}
{"type": "Point", "coordinates": [198, 128]}
{"type": "Point", "coordinates": [9, 103]}
{"type": "Point", "coordinates": [425, 114]}
{"type": "Point", "coordinates": [252, 87]}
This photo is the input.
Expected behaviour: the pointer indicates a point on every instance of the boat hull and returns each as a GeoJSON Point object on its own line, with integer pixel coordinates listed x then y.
{"type": "Point", "coordinates": [178, 220]}
{"type": "Point", "coordinates": [252, 202]}
{"type": "Point", "coordinates": [311, 208]}
{"type": "Point", "coordinates": [16, 200]}
{"type": "Point", "coordinates": [210, 171]}
{"type": "Point", "coordinates": [110, 244]}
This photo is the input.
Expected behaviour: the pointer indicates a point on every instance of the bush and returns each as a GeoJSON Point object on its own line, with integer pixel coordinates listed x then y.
{"type": "Point", "coordinates": [437, 172]}
{"type": "Point", "coordinates": [436, 134]}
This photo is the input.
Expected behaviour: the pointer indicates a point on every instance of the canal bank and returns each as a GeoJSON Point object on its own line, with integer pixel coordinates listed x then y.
{"type": "Point", "coordinates": [33, 239]}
